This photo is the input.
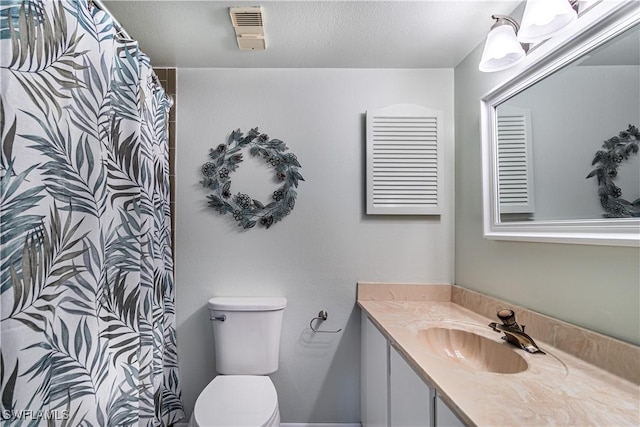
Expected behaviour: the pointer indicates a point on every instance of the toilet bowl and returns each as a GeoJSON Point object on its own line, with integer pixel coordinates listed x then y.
{"type": "Point", "coordinates": [246, 334]}
{"type": "Point", "coordinates": [237, 400]}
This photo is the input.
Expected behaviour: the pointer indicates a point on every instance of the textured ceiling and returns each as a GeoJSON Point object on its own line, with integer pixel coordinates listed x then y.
{"type": "Point", "coordinates": [317, 34]}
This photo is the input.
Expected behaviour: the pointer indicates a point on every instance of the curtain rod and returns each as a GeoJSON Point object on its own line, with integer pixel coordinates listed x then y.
{"type": "Point", "coordinates": [121, 31]}
{"type": "Point", "coordinates": [116, 24]}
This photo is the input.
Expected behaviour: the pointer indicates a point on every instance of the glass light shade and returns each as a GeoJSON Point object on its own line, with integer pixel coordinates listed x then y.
{"type": "Point", "coordinates": [501, 50]}
{"type": "Point", "coordinates": [544, 19]}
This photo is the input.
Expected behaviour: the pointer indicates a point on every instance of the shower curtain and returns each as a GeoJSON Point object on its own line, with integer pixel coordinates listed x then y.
{"type": "Point", "coordinates": [87, 320]}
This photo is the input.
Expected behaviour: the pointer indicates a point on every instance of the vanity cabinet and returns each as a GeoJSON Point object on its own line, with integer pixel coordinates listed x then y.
{"type": "Point", "coordinates": [374, 374]}
{"type": "Point", "coordinates": [392, 394]}
{"type": "Point", "coordinates": [445, 416]}
{"type": "Point", "coordinates": [410, 398]}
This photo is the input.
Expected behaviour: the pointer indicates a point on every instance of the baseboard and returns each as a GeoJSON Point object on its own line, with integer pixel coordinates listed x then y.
{"type": "Point", "coordinates": [299, 425]}
{"type": "Point", "coordinates": [320, 425]}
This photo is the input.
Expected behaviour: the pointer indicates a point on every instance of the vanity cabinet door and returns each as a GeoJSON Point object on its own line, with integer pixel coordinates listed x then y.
{"type": "Point", "coordinates": [392, 394]}
{"type": "Point", "coordinates": [445, 416]}
{"type": "Point", "coordinates": [411, 399]}
{"type": "Point", "coordinates": [374, 398]}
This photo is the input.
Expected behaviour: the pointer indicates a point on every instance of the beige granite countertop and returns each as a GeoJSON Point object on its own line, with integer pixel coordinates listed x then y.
{"type": "Point", "coordinates": [556, 389]}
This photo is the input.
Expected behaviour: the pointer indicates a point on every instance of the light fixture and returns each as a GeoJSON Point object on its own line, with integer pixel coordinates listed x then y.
{"type": "Point", "coordinates": [543, 19]}
{"type": "Point", "coordinates": [502, 48]}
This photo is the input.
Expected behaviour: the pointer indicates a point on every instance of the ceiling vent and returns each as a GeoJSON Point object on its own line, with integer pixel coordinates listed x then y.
{"type": "Point", "coordinates": [247, 21]}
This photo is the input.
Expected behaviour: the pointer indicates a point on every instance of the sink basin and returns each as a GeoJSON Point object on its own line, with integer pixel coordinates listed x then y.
{"type": "Point", "coordinates": [472, 351]}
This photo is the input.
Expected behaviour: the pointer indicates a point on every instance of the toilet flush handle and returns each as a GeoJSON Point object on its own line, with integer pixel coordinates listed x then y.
{"type": "Point", "coordinates": [220, 318]}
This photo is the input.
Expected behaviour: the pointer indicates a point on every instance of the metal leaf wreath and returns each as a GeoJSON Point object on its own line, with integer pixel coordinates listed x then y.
{"type": "Point", "coordinates": [607, 160]}
{"type": "Point", "coordinates": [246, 210]}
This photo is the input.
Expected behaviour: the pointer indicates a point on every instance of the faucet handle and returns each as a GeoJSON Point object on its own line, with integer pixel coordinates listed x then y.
{"type": "Point", "coordinates": [508, 318]}
{"type": "Point", "coordinates": [505, 314]}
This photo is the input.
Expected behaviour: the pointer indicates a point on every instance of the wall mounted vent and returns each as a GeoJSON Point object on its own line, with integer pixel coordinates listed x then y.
{"type": "Point", "coordinates": [248, 24]}
{"type": "Point", "coordinates": [404, 160]}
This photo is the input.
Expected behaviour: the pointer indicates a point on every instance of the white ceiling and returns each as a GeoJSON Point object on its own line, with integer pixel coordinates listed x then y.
{"type": "Point", "coordinates": [312, 34]}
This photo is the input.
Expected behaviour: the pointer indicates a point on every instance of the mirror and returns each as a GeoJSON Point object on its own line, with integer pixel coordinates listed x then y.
{"type": "Point", "coordinates": [560, 139]}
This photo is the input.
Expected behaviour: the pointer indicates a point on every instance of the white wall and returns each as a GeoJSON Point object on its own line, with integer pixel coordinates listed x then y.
{"type": "Point", "coordinates": [316, 255]}
{"type": "Point", "coordinates": [597, 287]}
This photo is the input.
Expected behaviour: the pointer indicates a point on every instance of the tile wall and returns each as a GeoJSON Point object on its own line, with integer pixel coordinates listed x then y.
{"type": "Point", "coordinates": [167, 77]}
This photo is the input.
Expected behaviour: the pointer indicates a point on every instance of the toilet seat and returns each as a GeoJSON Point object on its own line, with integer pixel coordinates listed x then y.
{"type": "Point", "coordinates": [237, 400]}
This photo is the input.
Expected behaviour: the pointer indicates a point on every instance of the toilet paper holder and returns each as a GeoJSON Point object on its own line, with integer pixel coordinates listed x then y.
{"type": "Point", "coordinates": [322, 316]}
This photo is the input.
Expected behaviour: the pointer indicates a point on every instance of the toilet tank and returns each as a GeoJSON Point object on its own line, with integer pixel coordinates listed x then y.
{"type": "Point", "coordinates": [247, 341]}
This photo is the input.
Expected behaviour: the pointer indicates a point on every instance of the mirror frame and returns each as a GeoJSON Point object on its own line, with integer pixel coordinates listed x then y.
{"type": "Point", "coordinates": [594, 27]}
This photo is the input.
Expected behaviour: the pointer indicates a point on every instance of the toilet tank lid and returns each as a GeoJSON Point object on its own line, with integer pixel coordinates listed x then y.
{"type": "Point", "coordinates": [247, 303]}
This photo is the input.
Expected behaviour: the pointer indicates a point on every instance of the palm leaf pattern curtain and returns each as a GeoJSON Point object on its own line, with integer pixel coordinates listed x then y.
{"type": "Point", "coordinates": [87, 320]}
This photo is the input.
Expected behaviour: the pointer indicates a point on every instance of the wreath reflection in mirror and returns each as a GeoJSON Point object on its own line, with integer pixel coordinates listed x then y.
{"type": "Point", "coordinates": [606, 161]}
{"type": "Point", "coordinates": [246, 211]}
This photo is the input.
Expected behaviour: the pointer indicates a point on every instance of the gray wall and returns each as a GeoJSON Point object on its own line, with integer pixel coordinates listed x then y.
{"type": "Point", "coordinates": [596, 287]}
{"type": "Point", "coordinates": [316, 255]}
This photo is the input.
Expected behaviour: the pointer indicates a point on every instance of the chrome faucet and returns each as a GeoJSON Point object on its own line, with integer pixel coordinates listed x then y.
{"type": "Point", "coordinates": [514, 333]}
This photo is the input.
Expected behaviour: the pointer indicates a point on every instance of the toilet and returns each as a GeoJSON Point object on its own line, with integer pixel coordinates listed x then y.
{"type": "Point", "coordinates": [246, 333]}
